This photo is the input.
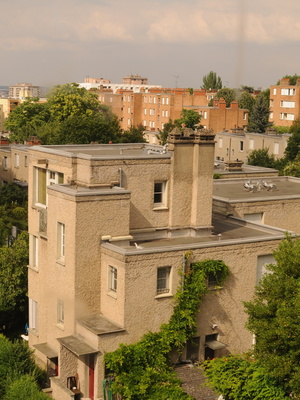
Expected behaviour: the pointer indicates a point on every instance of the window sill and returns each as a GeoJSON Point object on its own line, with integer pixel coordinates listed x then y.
{"type": "Point", "coordinates": [60, 326]}
{"type": "Point", "coordinates": [33, 332]}
{"type": "Point", "coordinates": [112, 294]}
{"type": "Point", "coordinates": [163, 295]}
{"type": "Point", "coordinates": [61, 262]}
{"type": "Point", "coordinates": [35, 269]}
{"type": "Point", "coordinates": [157, 208]}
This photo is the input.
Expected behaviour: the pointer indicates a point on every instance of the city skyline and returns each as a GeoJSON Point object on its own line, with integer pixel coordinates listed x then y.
{"type": "Point", "coordinates": [172, 43]}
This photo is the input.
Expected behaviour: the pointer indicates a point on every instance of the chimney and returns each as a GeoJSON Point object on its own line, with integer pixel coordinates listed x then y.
{"type": "Point", "coordinates": [222, 103]}
{"type": "Point", "coordinates": [234, 105]}
{"type": "Point", "coordinates": [4, 141]}
{"type": "Point", "coordinates": [284, 82]}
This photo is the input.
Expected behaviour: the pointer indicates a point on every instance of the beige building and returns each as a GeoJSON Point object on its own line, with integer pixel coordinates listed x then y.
{"type": "Point", "coordinates": [109, 227]}
{"type": "Point", "coordinates": [238, 145]}
{"type": "Point", "coordinates": [23, 90]}
{"type": "Point", "coordinates": [6, 106]}
{"type": "Point", "coordinates": [284, 103]}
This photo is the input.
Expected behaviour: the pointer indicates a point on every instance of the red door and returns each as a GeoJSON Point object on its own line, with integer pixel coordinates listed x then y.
{"type": "Point", "coordinates": [91, 376]}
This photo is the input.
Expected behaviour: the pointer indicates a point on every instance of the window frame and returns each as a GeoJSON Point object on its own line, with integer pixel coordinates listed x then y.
{"type": "Point", "coordinates": [112, 279]}
{"type": "Point", "coordinates": [34, 251]}
{"type": "Point", "coordinates": [162, 193]}
{"type": "Point", "coordinates": [163, 280]}
{"type": "Point", "coordinates": [61, 241]}
{"type": "Point", "coordinates": [60, 312]}
{"type": "Point", "coordinates": [33, 315]}
{"type": "Point", "coordinates": [41, 182]}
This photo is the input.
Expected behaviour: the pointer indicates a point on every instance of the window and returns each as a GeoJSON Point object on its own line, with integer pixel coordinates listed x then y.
{"type": "Point", "coordinates": [163, 280]}
{"type": "Point", "coordinates": [34, 251]}
{"type": "Point", "coordinates": [145, 111]}
{"type": "Point", "coordinates": [274, 91]}
{"type": "Point", "coordinates": [262, 262]}
{"type": "Point", "coordinates": [220, 143]}
{"type": "Point", "coordinates": [61, 230]}
{"type": "Point", "coordinates": [287, 116]}
{"type": "Point", "coordinates": [251, 144]}
{"type": "Point", "coordinates": [255, 217]}
{"type": "Point", "coordinates": [276, 148]}
{"type": "Point", "coordinates": [205, 115]}
{"type": "Point", "coordinates": [160, 193]}
{"type": "Point", "coordinates": [152, 111]}
{"type": "Point", "coordinates": [245, 116]}
{"type": "Point", "coordinates": [33, 315]}
{"type": "Point", "coordinates": [163, 113]}
{"type": "Point", "coordinates": [60, 312]}
{"type": "Point", "coordinates": [4, 162]}
{"type": "Point", "coordinates": [128, 121]}
{"type": "Point", "coordinates": [241, 145]}
{"type": "Point", "coordinates": [271, 116]}
{"type": "Point", "coordinates": [163, 100]}
{"type": "Point", "coordinates": [288, 92]}
{"type": "Point", "coordinates": [167, 113]}
{"type": "Point", "coordinates": [145, 122]}
{"type": "Point", "coordinates": [288, 104]}
{"type": "Point", "coordinates": [154, 100]}
{"type": "Point", "coordinates": [17, 160]}
{"type": "Point", "coordinates": [112, 278]}
{"type": "Point", "coordinates": [44, 178]}
{"type": "Point", "coordinates": [25, 161]}
{"type": "Point", "coordinates": [128, 110]}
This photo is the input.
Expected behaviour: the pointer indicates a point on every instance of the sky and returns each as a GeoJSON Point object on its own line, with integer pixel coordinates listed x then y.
{"type": "Point", "coordinates": [172, 43]}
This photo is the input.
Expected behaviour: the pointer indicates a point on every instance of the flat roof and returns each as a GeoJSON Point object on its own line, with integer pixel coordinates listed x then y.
{"type": "Point", "coordinates": [226, 231]}
{"type": "Point", "coordinates": [99, 325]}
{"type": "Point", "coordinates": [107, 151]}
{"type": "Point", "coordinates": [233, 189]}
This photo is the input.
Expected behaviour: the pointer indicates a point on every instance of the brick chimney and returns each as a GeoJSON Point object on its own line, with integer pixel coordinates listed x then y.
{"type": "Point", "coordinates": [234, 105]}
{"type": "Point", "coordinates": [33, 141]}
{"type": "Point", "coordinates": [4, 141]}
{"type": "Point", "coordinates": [284, 81]}
{"type": "Point", "coordinates": [222, 103]}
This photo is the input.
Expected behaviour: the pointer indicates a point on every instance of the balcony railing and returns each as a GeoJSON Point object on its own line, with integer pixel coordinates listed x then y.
{"type": "Point", "coordinates": [43, 221]}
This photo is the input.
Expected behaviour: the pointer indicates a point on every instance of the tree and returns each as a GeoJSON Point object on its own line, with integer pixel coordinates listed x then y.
{"type": "Point", "coordinates": [211, 81]}
{"type": "Point", "coordinates": [248, 89]}
{"type": "Point", "coordinates": [274, 317]}
{"type": "Point", "coordinates": [227, 94]}
{"type": "Point", "coordinates": [135, 134]}
{"type": "Point", "coordinates": [292, 168]}
{"type": "Point", "coordinates": [240, 377]}
{"type": "Point", "coordinates": [168, 127]}
{"type": "Point", "coordinates": [293, 145]}
{"type": "Point", "coordinates": [189, 119]}
{"type": "Point", "coordinates": [26, 118]}
{"type": "Point", "coordinates": [261, 158]}
{"type": "Point", "coordinates": [247, 101]}
{"type": "Point", "coordinates": [259, 117]}
{"type": "Point", "coordinates": [13, 286]}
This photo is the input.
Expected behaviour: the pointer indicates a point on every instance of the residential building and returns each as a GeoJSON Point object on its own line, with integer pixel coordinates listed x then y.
{"type": "Point", "coordinates": [6, 106]}
{"type": "Point", "coordinates": [238, 145]}
{"type": "Point", "coordinates": [284, 103]}
{"type": "Point", "coordinates": [23, 90]}
{"type": "Point", "coordinates": [109, 227]}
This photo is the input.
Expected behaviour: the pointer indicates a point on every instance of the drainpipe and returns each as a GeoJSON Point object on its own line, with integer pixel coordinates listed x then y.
{"type": "Point", "coordinates": [120, 176]}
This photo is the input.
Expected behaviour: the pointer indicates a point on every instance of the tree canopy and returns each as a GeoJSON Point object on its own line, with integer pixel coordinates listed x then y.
{"type": "Point", "coordinates": [71, 115]}
{"type": "Point", "coordinates": [259, 117]}
{"type": "Point", "coordinates": [189, 119]}
{"type": "Point", "coordinates": [227, 94]}
{"type": "Point", "coordinates": [211, 81]}
{"type": "Point", "coordinates": [274, 317]}
{"type": "Point", "coordinates": [247, 101]}
{"type": "Point", "coordinates": [293, 145]}
{"type": "Point", "coordinates": [292, 78]}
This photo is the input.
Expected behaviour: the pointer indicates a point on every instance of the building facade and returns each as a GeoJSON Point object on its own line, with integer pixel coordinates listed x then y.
{"type": "Point", "coordinates": [23, 90]}
{"type": "Point", "coordinates": [106, 223]}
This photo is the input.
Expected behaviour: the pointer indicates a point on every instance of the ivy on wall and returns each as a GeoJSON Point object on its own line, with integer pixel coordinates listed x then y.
{"type": "Point", "coordinates": [142, 371]}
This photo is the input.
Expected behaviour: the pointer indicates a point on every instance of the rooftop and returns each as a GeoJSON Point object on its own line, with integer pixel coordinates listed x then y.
{"type": "Point", "coordinates": [233, 190]}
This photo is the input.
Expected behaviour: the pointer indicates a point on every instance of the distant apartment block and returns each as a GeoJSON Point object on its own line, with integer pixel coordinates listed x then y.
{"type": "Point", "coordinates": [238, 145]}
{"type": "Point", "coordinates": [23, 90]}
{"type": "Point", "coordinates": [6, 106]}
{"type": "Point", "coordinates": [284, 103]}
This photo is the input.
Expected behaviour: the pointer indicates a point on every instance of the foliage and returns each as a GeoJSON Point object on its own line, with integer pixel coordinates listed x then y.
{"type": "Point", "coordinates": [261, 158]}
{"type": "Point", "coordinates": [242, 378]}
{"type": "Point", "coordinates": [26, 118]}
{"type": "Point", "coordinates": [168, 127]}
{"type": "Point", "coordinates": [141, 370]}
{"type": "Point", "coordinates": [12, 194]}
{"type": "Point", "coordinates": [247, 89]}
{"type": "Point", "coordinates": [13, 286]}
{"type": "Point", "coordinates": [281, 129]}
{"type": "Point", "coordinates": [292, 78]}
{"type": "Point", "coordinates": [292, 168]}
{"type": "Point", "coordinates": [259, 117]}
{"type": "Point", "coordinates": [227, 94]}
{"type": "Point", "coordinates": [71, 115]}
{"type": "Point", "coordinates": [25, 388]}
{"type": "Point", "coordinates": [211, 81]}
{"type": "Point", "coordinates": [16, 360]}
{"type": "Point", "coordinates": [189, 119]}
{"type": "Point", "coordinates": [274, 317]}
{"type": "Point", "coordinates": [246, 101]}
{"type": "Point", "coordinates": [135, 134]}
{"type": "Point", "coordinates": [217, 175]}
{"type": "Point", "coordinates": [293, 145]}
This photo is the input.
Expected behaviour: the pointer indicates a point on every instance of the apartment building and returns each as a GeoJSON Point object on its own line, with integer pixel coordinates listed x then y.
{"type": "Point", "coordinates": [6, 106]}
{"type": "Point", "coordinates": [284, 103]}
{"type": "Point", "coordinates": [239, 144]}
{"type": "Point", "coordinates": [109, 227]}
{"type": "Point", "coordinates": [23, 90]}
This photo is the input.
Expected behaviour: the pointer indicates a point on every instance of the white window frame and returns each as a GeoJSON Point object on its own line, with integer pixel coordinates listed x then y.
{"type": "Point", "coordinates": [33, 315]}
{"type": "Point", "coordinates": [61, 241]}
{"type": "Point", "coordinates": [112, 279]}
{"type": "Point", "coordinates": [276, 148]}
{"type": "Point", "coordinates": [163, 280]}
{"type": "Point", "coordinates": [287, 104]}
{"type": "Point", "coordinates": [160, 194]}
{"type": "Point", "coordinates": [17, 160]}
{"type": "Point", "coordinates": [60, 312]}
{"type": "Point", "coordinates": [33, 251]}
{"type": "Point", "coordinates": [251, 144]}
{"type": "Point", "coordinates": [51, 178]}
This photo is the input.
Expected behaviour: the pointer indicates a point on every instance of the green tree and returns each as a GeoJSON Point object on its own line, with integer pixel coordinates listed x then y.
{"type": "Point", "coordinates": [292, 168]}
{"type": "Point", "coordinates": [293, 145]}
{"type": "Point", "coordinates": [168, 127]}
{"type": "Point", "coordinates": [227, 94]}
{"type": "Point", "coordinates": [240, 377]}
{"type": "Point", "coordinates": [26, 118]}
{"type": "Point", "coordinates": [13, 286]}
{"type": "Point", "coordinates": [25, 388]}
{"type": "Point", "coordinates": [135, 134]}
{"type": "Point", "coordinates": [259, 117]}
{"type": "Point", "coordinates": [292, 78]}
{"type": "Point", "coordinates": [261, 158]}
{"type": "Point", "coordinates": [246, 101]}
{"type": "Point", "coordinates": [248, 89]}
{"type": "Point", "coordinates": [211, 81]}
{"type": "Point", "coordinates": [189, 119]}
{"type": "Point", "coordinates": [274, 317]}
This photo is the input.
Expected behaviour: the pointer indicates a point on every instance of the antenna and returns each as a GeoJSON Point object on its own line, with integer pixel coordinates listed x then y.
{"type": "Point", "coordinates": [176, 80]}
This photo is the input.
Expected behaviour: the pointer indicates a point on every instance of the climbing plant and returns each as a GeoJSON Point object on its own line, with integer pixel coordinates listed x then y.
{"type": "Point", "coordinates": [142, 371]}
